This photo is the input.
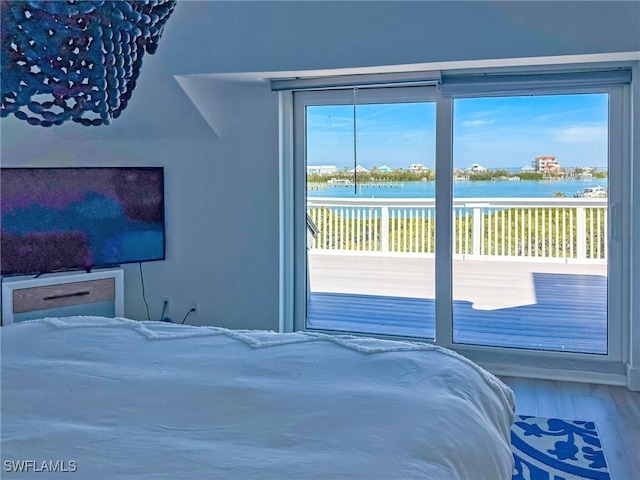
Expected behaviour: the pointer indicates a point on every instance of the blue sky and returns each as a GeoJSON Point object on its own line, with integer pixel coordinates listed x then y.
{"type": "Point", "coordinates": [495, 132]}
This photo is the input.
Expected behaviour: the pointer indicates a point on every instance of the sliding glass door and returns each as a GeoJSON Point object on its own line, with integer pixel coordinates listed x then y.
{"type": "Point", "coordinates": [522, 248]}
{"type": "Point", "coordinates": [531, 206]}
{"type": "Point", "coordinates": [370, 171]}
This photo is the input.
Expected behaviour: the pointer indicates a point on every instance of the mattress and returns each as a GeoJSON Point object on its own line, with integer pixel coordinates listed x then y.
{"type": "Point", "coordinates": [123, 399]}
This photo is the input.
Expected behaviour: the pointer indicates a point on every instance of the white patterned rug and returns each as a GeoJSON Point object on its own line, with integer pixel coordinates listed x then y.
{"type": "Point", "coordinates": [555, 449]}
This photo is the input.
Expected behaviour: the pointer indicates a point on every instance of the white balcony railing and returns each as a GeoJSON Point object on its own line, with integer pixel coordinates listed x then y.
{"type": "Point", "coordinates": [554, 229]}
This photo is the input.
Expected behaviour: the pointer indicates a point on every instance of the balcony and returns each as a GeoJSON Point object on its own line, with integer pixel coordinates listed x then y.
{"type": "Point", "coordinates": [527, 273]}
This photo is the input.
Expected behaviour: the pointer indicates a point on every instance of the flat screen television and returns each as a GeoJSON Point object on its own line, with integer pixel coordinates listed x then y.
{"type": "Point", "coordinates": [58, 219]}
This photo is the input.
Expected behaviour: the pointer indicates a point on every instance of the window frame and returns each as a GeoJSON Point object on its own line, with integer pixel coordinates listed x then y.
{"type": "Point", "coordinates": [609, 368]}
{"type": "Point", "coordinates": [338, 96]}
{"type": "Point", "coordinates": [619, 208]}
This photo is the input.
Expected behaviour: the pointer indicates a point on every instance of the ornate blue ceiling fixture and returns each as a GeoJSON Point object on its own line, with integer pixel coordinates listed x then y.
{"type": "Point", "coordinates": [75, 60]}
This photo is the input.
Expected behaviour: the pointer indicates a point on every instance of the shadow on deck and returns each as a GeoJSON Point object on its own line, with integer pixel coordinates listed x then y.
{"type": "Point", "coordinates": [569, 314]}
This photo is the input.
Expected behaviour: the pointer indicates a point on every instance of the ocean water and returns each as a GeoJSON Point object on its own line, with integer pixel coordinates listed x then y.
{"type": "Point", "coordinates": [465, 189]}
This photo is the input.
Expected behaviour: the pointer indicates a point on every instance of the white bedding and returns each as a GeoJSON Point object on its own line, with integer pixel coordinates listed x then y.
{"type": "Point", "coordinates": [121, 399]}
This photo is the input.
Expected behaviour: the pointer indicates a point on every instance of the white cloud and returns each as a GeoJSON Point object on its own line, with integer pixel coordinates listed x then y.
{"type": "Point", "coordinates": [474, 123]}
{"type": "Point", "coordinates": [582, 134]}
{"type": "Point", "coordinates": [417, 134]}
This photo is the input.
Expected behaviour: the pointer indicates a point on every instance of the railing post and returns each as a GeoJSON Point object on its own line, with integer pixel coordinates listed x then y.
{"type": "Point", "coordinates": [581, 233]}
{"type": "Point", "coordinates": [384, 229]}
{"type": "Point", "coordinates": [476, 231]}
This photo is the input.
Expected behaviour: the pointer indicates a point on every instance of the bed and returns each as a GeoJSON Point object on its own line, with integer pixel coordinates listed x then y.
{"type": "Point", "coordinates": [123, 399]}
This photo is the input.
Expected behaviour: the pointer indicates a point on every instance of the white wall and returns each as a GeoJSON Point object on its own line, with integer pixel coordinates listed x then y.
{"type": "Point", "coordinates": [221, 192]}
{"type": "Point", "coordinates": [216, 37]}
{"type": "Point", "coordinates": [221, 157]}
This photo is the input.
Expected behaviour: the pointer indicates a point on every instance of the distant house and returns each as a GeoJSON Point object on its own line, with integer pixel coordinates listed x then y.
{"type": "Point", "coordinates": [583, 173]}
{"type": "Point", "coordinates": [321, 169]}
{"type": "Point", "coordinates": [476, 168]}
{"type": "Point", "coordinates": [416, 167]}
{"type": "Point", "coordinates": [527, 169]}
{"type": "Point", "coordinates": [584, 176]}
{"type": "Point", "coordinates": [359, 169]}
{"type": "Point", "coordinates": [384, 169]}
{"type": "Point", "coordinates": [546, 164]}
{"type": "Point", "coordinates": [459, 174]}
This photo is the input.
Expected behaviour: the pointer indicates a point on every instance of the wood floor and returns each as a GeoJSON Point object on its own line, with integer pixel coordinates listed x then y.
{"type": "Point", "coordinates": [546, 306]}
{"type": "Point", "coordinates": [615, 410]}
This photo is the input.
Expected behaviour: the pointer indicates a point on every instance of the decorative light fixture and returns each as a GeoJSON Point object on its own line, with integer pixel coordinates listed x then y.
{"type": "Point", "coordinates": [75, 60]}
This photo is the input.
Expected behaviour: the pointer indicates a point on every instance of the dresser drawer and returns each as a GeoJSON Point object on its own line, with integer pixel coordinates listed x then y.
{"type": "Point", "coordinates": [85, 294]}
{"type": "Point", "coordinates": [63, 295]}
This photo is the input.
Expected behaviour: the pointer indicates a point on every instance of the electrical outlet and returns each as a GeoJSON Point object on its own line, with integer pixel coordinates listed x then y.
{"type": "Point", "coordinates": [165, 308]}
{"type": "Point", "coordinates": [193, 305]}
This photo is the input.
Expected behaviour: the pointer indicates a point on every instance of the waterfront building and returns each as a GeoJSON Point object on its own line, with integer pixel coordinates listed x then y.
{"type": "Point", "coordinates": [321, 169]}
{"type": "Point", "coordinates": [546, 164]}
{"type": "Point", "coordinates": [584, 176]}
{"type": "Point", "coordinates": [476, 168]}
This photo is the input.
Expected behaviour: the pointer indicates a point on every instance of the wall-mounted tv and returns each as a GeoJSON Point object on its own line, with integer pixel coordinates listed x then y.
{"type": "Point", "coordinates": [58, 219]}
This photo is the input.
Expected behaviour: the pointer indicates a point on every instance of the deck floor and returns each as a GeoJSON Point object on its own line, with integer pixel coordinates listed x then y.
{"type": "Point", "coordinates": [545, 306]}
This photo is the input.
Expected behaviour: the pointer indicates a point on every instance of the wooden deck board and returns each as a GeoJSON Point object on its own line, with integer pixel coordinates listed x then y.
{"type": "Point", "coordinates": [535, 305]}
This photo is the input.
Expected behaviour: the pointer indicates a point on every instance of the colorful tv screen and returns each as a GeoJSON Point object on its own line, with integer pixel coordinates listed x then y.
{"type": "Point", "coordinates": [58, 219]}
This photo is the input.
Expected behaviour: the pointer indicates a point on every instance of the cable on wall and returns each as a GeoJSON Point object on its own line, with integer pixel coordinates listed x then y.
{"type": "Point", "coordinates": [144, 296]}
{"type": "Point", "coordinates": [188, 313]}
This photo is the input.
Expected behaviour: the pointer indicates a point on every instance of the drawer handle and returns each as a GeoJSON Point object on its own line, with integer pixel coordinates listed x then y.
{"type": "Point", "coordinates": [66, 295]}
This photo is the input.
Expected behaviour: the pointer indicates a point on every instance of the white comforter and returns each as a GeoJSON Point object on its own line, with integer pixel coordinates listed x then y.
{"type": "Point", "coordinates": [121, 399]}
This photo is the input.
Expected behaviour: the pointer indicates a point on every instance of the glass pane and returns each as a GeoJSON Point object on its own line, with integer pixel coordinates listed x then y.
{"type": "Point", "coordinates": [371, 264]}
{"type": "Point", "coordinates": [530, 229]}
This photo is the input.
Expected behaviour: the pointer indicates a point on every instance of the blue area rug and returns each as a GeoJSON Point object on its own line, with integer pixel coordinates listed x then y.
{"type": "Point", "coordinates": [554, 449]}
